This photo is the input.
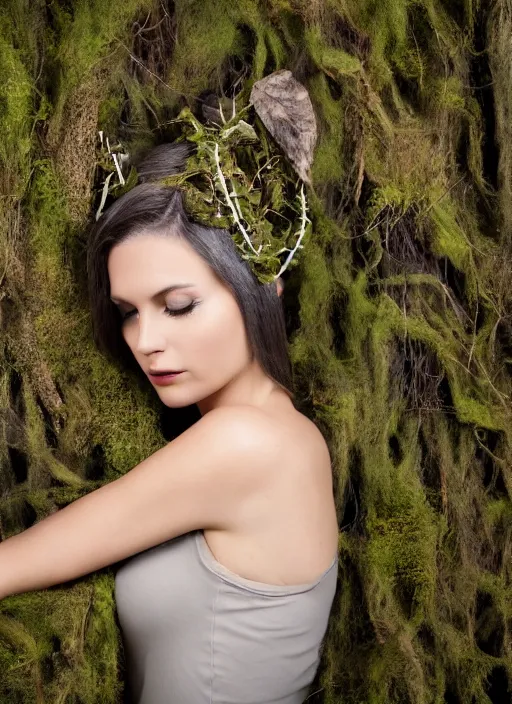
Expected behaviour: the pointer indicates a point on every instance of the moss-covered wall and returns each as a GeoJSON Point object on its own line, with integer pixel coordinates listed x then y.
{"type": "Point", "coordinates": [399, 317]}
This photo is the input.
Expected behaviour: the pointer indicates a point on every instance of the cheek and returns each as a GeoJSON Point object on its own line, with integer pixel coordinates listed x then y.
{"type": "Point", "coordinates": [217, 336]}
{"type": "Point", "coordinates": [130, 334]}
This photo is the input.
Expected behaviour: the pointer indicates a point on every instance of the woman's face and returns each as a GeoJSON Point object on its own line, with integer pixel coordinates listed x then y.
{"type": "Point", "coordinates": [196, 328]}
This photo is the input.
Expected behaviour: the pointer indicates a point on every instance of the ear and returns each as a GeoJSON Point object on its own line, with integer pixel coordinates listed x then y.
{"type": "Point", "coordinates": [279, 286]}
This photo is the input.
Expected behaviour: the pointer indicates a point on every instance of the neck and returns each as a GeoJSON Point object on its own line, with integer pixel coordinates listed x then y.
{"type": "Point", "coordinates": [252, 387]}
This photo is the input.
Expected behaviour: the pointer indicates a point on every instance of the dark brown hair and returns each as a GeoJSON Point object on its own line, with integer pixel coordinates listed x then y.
{"type": "Point", "coordinates": [150, 207]}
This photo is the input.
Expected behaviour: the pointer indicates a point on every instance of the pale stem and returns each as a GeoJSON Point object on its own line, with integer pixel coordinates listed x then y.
{"type": "Point", "coordinates": [237, 204]}
{"type": "Point", "coordinates": [304, 221]}
{"type": "Point", "coordinates": [222, 181]}
{"type": "Point", "coordinates": [104, 194]}
{"type": "Point", "coordinates": [119, 172]}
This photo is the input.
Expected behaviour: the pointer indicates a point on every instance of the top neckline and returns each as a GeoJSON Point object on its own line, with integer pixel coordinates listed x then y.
{"type": "Point", "coordinates": [210, 562]}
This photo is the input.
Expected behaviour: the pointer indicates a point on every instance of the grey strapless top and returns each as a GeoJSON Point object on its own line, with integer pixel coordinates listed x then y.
{"type": "Point", "coordinates": [196, 633]}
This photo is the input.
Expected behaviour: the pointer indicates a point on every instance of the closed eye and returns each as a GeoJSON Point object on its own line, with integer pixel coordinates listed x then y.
{"type": "Point", "coordinates": [169, 311]}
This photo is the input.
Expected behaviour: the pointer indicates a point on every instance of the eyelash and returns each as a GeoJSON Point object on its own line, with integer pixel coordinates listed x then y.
{"type": "Point", "coordinates": [173, 313]}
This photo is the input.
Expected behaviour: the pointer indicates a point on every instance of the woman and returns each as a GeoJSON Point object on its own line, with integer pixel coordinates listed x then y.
{"type": "Point", "coordinates": [230, 528]}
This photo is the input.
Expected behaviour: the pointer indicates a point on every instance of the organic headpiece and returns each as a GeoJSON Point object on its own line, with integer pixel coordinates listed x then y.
{"type": "Point", "coordinates": [237, 177]}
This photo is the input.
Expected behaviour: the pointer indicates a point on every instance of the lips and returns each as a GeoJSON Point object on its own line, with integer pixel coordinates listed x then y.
{"type": "Point", "coordinates": [164, 379]}
{"type": "Point", "coordinates": [164, 373]}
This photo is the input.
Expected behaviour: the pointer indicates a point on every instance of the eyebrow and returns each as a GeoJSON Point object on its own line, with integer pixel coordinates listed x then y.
{"type": "Point", "coordinates": [158, 293]}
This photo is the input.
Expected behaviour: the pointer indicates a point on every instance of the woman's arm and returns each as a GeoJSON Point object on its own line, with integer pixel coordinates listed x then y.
{"type": "Point", "coordinates": [203, 479]}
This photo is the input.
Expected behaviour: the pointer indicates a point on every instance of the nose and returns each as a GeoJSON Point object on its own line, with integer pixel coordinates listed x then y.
{"type": "Point", "coordinates": [151, 336]}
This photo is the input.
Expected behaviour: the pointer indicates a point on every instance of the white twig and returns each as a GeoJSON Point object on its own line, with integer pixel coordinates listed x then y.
{"type": "Point", "coordinates": [304, 220]}
{"type": "Point", "coordinates": [119, 172]}
{"type": "Point", "coordinates": [237, 204]}
{"type": "Point", "coordinates": [221, 111]}
{"type": "Point", "coordinates": [222, 181]}
{"type": "Point", "coordinates": [104, 194]}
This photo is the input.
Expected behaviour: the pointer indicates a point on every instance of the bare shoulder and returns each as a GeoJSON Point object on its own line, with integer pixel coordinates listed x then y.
{"type": "Point", "coordinates": [302, 434]}
{"type": "Point", "coordinates": [264, 433]}
{"type": "Point", "coordinates": [288, 525]}
{"type": "Point", "coordinates": [241, 427]}
{"type": "Point", "coordinates": [265, 439]}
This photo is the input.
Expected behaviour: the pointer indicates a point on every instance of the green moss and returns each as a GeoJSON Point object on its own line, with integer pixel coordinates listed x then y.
{"type": "Point", "coordinates": [499, 511]}
{"type": "Point", "coordinates": [75, 617]}
{"type": "Point", "coordinates": [91, 30]}
{"type": "Point", "coordinates": [208, 34]}
{"type": "Point", "coordinates": [449, 238]}
{"type": "Point", "coordinates": [16, 109]}
{"type": "Point", "coordinates": [335, 62]}
{"type": "Point", "coordinates": [275, 48]}
{"type": "Point", "coordinates": [448, 94]}
{"type": "Point", "coordinates": [328, 164]}
{"type": "Point", "coordinates": [386, 24]}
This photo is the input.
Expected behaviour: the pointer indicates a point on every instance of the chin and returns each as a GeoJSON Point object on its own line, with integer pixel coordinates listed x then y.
{"type": "Point", "coordinates": [176, 400]}
{"type": "Point", "coordinates": [175, 397]}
